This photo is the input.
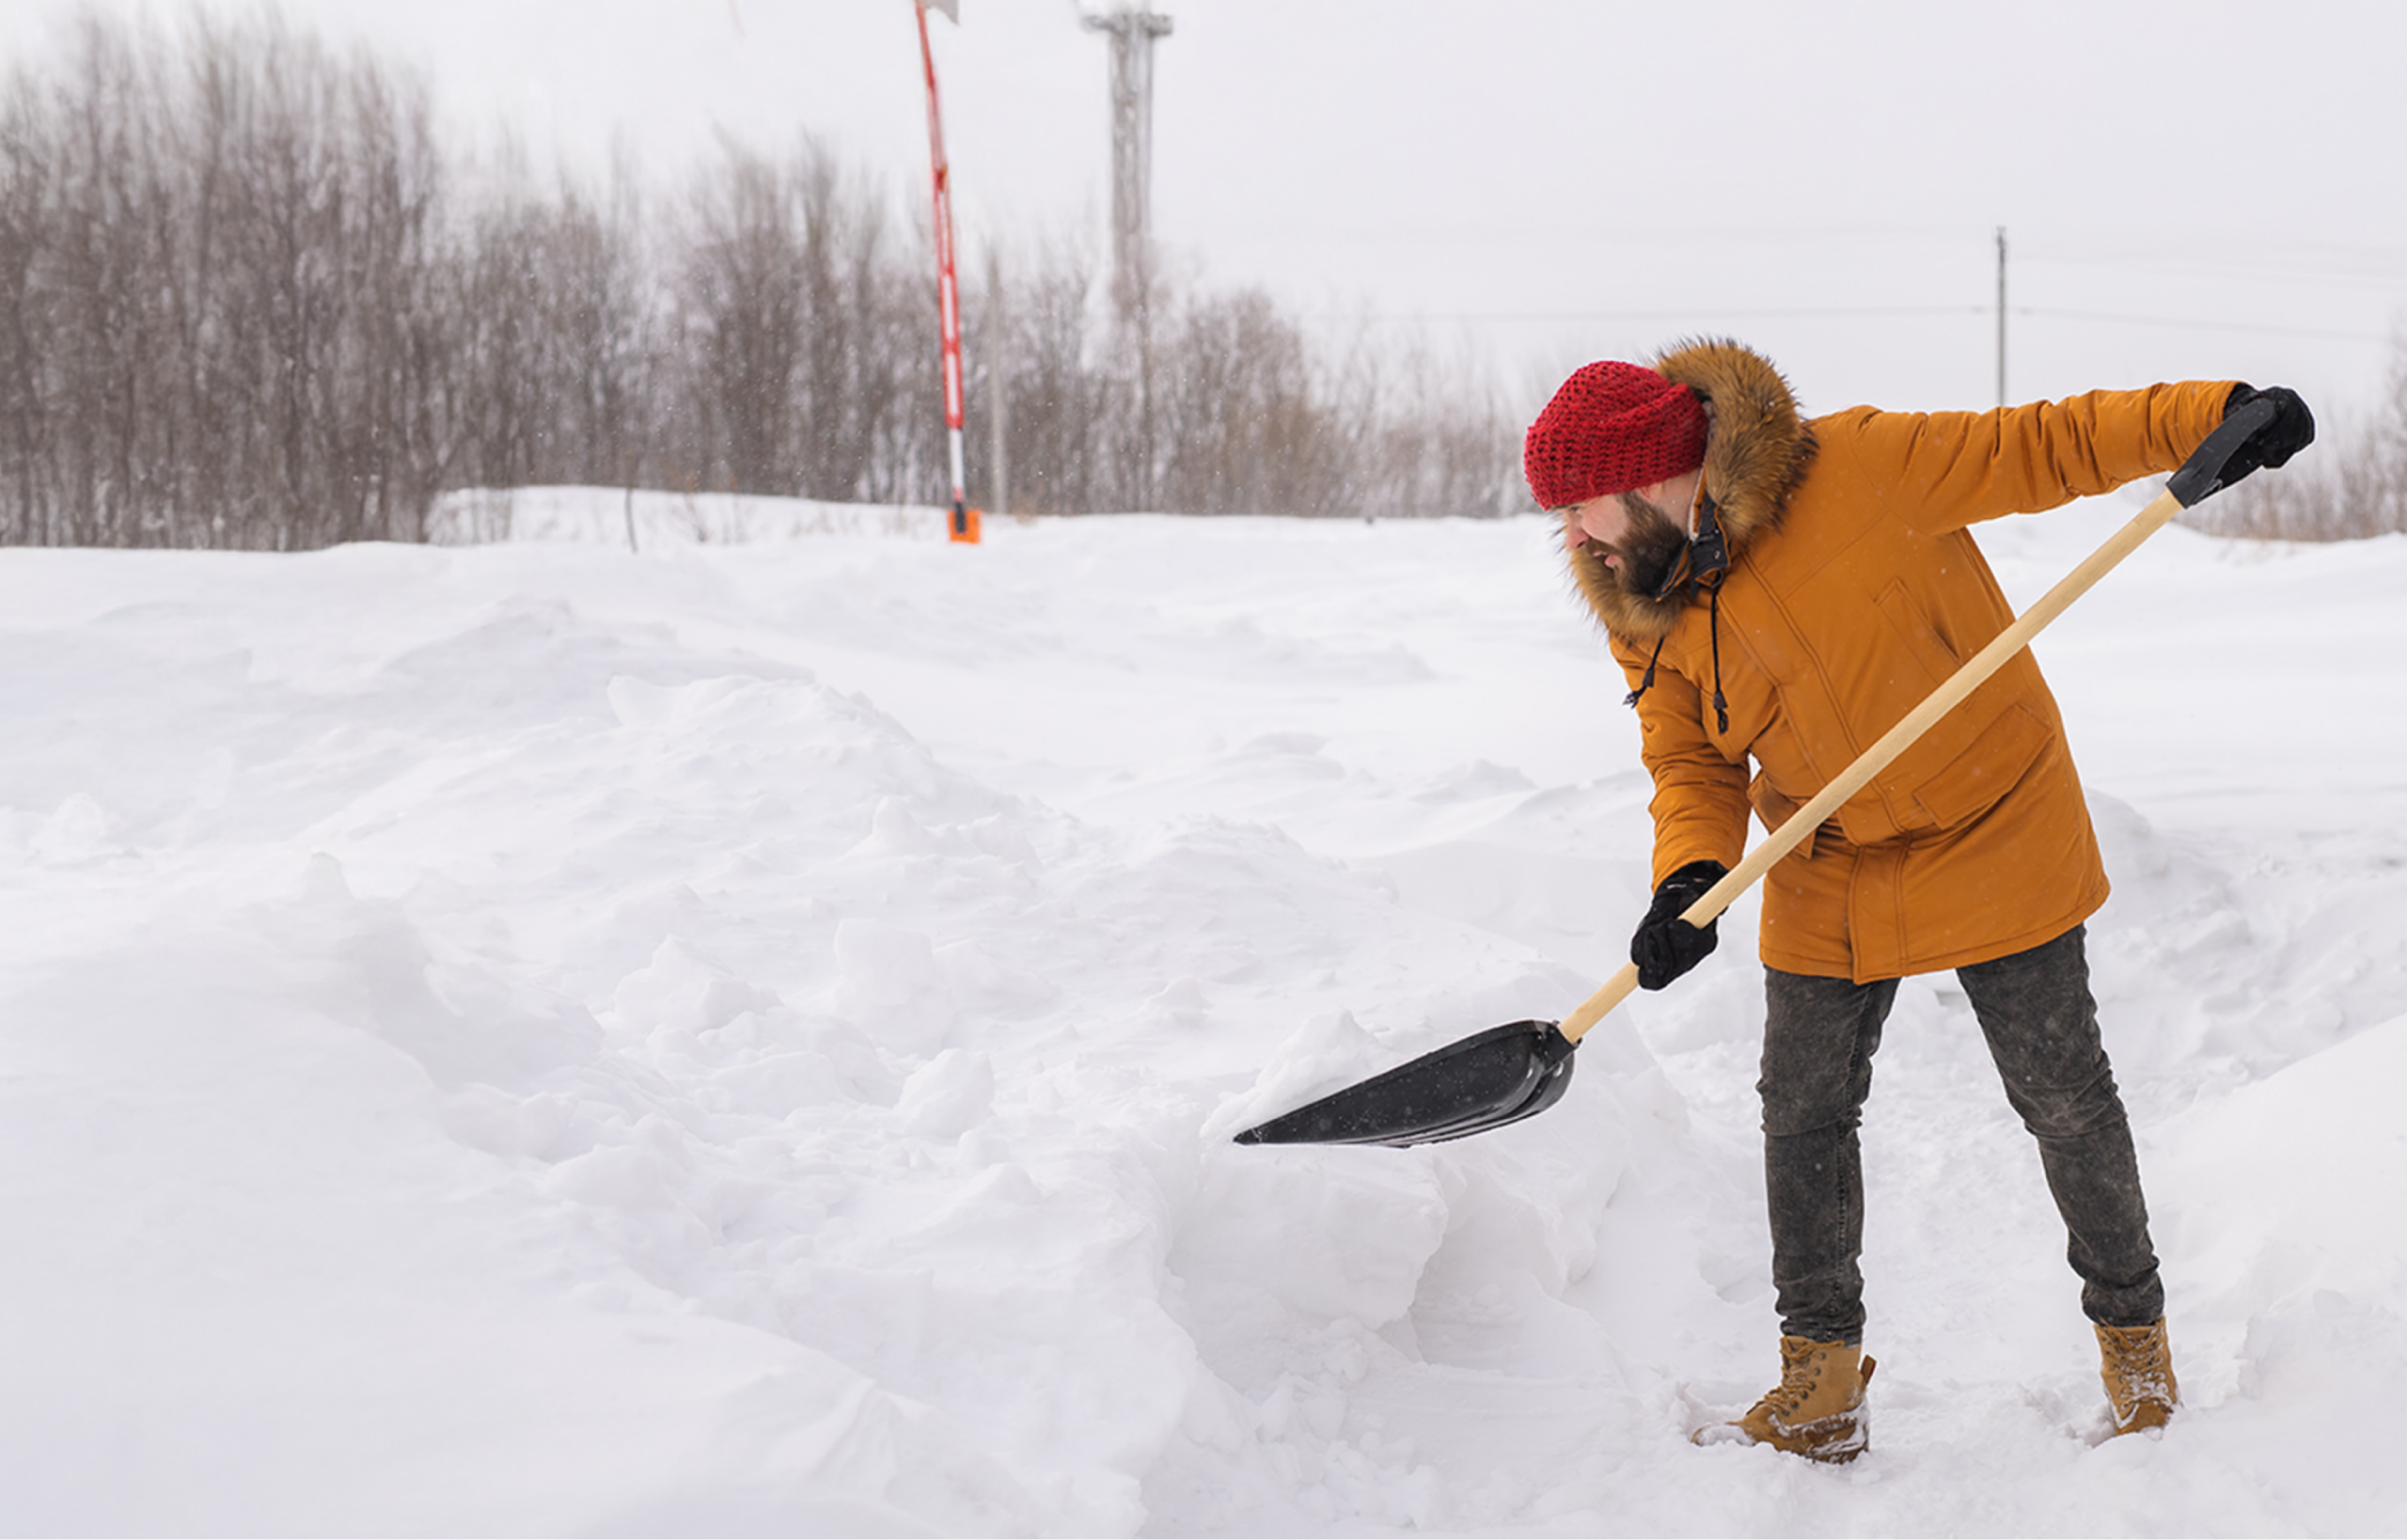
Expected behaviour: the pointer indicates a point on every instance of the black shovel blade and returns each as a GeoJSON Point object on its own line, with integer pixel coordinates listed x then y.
{"type": "Point", "coordinates": [1484, 1081]}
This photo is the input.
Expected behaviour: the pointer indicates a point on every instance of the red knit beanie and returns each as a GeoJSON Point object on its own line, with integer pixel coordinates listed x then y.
{"type": "Point", "coordinates": [1611, 427]}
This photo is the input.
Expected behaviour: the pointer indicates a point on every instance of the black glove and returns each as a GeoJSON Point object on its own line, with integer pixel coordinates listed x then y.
{"type": "Point", "coordinates": [1667, 946]}
{"type": "Point", "coordinates": [2292, 430]}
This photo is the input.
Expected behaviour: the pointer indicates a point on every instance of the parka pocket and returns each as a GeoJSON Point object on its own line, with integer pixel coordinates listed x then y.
{"type": "Point", "coordinates": [1974, 781]}
{"type": "Point", "coordinates": [1776, 808]}
{"type": "Point", "coordinates": [1922, 637]}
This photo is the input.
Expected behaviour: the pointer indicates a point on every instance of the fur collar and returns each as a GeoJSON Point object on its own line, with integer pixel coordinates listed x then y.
{"type": "Point", "coordinates": [1755, 453]}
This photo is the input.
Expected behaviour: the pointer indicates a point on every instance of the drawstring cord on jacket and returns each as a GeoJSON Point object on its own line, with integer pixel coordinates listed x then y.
{"type": "Point", "coordinates": [1648, 682]}
{"type": "Point", "coordinates": [1713, 629]}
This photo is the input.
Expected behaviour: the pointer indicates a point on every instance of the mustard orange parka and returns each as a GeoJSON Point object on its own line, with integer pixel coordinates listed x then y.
{"type": "Point", "coordinates": [1855, 588]}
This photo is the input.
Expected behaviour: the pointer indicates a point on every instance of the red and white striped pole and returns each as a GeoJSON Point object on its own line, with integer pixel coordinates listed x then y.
{"type": "Point", "coordinates": [964, 527]}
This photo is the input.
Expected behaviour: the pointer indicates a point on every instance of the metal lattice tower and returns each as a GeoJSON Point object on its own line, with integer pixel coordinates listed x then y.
{"type": "Point", "coordinates": [1132, 30]}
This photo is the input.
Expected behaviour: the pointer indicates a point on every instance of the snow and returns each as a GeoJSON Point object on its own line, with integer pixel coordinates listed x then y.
{"type": "Point", "coordinates": [743, 1037]}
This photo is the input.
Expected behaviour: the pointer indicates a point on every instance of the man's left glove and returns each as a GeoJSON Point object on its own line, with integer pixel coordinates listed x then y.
{"type": "Point", "coordinates": [2292, 430]}
{"type": "Point", "coordinates": [1667, 946]}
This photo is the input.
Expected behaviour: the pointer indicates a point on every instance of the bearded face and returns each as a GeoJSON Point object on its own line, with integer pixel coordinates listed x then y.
{"type": "Point", "coordinates": [1649, 548]}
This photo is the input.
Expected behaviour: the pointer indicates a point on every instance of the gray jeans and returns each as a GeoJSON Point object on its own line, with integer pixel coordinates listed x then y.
{"type": "Point", "coordinates": [2036, 1009]}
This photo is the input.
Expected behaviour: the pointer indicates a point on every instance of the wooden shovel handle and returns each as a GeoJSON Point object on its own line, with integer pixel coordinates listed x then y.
{"type": "Point", "coordinates": [2198, 478]}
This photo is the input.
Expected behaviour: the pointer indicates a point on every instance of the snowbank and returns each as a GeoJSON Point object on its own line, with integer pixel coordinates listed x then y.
{"type": "Point", "coordinates": [642, 520]}
{"type": "Point", "coordinates": [744, 1036]}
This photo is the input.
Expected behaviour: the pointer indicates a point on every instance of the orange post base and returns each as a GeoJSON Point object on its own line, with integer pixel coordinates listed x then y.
{"type": "Point", "coordinates": [964, 526]}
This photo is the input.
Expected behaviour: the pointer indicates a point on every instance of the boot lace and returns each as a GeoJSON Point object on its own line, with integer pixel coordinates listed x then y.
{"type": "Point", "coordinates": [2143, 1367]}
{"type": "Point", "coordinates": [1797, 1381]}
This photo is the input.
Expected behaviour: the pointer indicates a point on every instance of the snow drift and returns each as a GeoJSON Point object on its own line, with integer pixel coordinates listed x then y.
{"type": "Point", "coordinates": [743, 1037]}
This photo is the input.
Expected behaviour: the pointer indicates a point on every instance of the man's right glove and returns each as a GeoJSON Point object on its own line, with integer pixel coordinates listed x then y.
{"type": "Point", "coordinates": [2292, 430]}
{"type": "Point", "coordinates": [1667, 946]}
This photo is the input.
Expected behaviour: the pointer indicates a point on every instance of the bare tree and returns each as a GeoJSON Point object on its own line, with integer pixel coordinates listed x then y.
{"type": "Point", "coordinates": [245, 302]}
{"type": "Point", "coordinates": [2349, 486]}
{"type": "Point", "coordinates": [1056, 412]}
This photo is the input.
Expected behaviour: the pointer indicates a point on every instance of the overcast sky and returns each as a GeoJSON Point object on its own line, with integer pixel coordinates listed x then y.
{"type": "Point", "coordinates": [2206, 189]}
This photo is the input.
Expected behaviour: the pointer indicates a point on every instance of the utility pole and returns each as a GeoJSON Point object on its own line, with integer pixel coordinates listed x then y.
{"type": "Point", "coordinates": [1132, 29]}
{"type": "Point", "coordinates": [2001, 316]}
{"type": "Point", "coordinates": [963, 528]}
{"type": "Point", "coordinates": [999, 494]}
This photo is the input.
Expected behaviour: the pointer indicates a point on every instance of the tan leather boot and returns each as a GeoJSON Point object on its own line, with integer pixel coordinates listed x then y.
{"type": "Point", "coordinates": [2137, 1366]}
{"type": "Point", "coordinates": [1816, 1411]}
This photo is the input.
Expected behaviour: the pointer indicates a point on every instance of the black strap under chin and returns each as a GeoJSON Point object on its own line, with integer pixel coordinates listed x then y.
{"type": "Point", "coordinates": [1704, 562]}
{"type": "Point", "coordinates": [1710, 551]}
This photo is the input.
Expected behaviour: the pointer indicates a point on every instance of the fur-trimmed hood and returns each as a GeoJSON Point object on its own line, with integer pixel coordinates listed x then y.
{"type": "Point", "coordinates": [1755, 453]}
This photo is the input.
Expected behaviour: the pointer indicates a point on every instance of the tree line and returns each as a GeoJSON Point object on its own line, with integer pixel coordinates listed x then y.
{"type": "Point", "coordinates": [249, 299]}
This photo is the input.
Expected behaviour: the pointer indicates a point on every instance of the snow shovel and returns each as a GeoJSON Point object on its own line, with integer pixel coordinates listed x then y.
{"type": "Point", "coordinates": [1509, 1073]}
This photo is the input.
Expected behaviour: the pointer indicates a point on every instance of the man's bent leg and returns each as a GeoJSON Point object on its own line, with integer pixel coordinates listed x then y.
{"type": "Point", "coordinates": [1820, 1035]}
{"type": "Point", "coordinates": [2042, 1023]}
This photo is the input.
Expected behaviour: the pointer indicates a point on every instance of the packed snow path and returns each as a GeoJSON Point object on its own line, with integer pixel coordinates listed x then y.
{"type": "Point", "coordinates": [536, 1038]}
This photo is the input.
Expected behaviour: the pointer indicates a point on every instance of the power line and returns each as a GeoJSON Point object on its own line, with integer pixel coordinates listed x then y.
{"type": "Point", "coordinates": [2201, 325]}
{"type": "Point", "coordinates": [1708, 313]}
{"type": "Point", "coordinates": [1692, 312]}
{"type": "Point", "coordinates": [2196, 268]}
{"type": "Point", "coordinates": [2270, 266]}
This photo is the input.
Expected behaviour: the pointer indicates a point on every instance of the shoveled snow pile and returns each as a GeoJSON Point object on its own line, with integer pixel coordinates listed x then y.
{"type": "Point", "coordinates": [744, 1037]}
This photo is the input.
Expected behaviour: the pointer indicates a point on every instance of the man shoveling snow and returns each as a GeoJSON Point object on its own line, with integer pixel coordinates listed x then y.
{"type": "Point", "coordinates": [1780, 592]}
